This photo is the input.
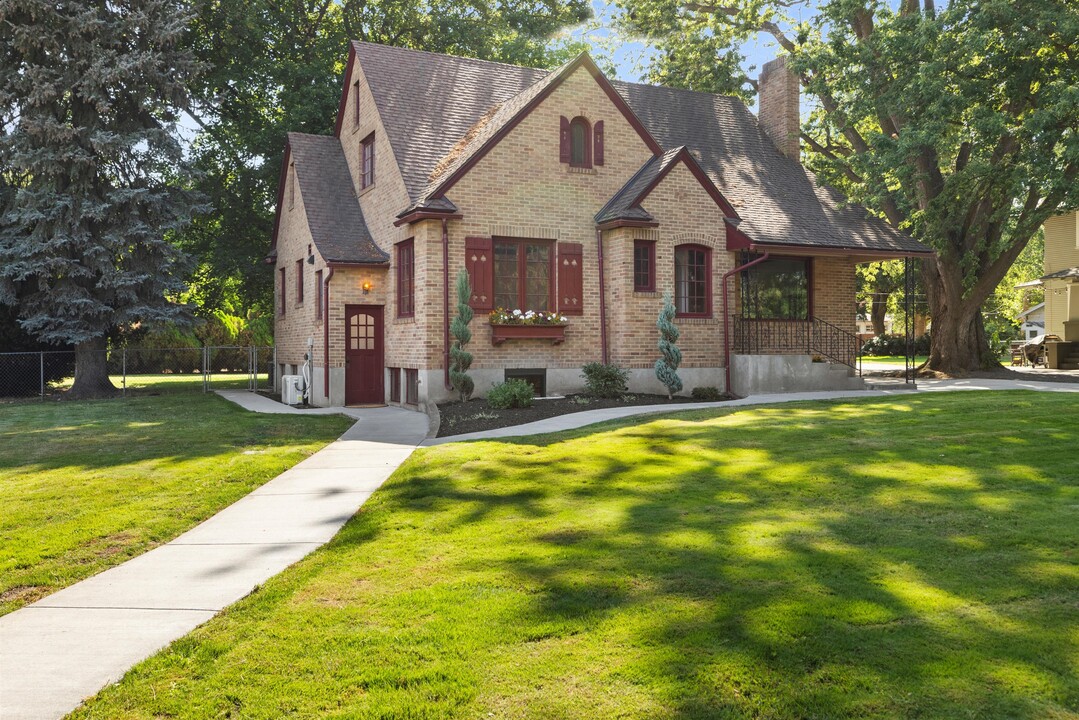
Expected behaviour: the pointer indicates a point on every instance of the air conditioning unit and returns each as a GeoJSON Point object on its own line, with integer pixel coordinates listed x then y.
{"type": "Point", "coordinates": [292, 389]}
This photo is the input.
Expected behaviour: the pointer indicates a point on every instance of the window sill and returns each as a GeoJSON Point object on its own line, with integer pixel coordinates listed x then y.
{"type": "Point", "coordinates": [405, 320]}
{"type": "Point", "coordinates": [647, 293]}
{"type": "Point", "coordinates": [580, 170]}
{"type": "Point", "coordinates": [501, 333]}
{"type": "Point", "coordinates": [363, 191]}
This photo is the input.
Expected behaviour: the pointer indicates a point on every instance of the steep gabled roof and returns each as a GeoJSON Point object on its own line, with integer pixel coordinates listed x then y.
{"type": "Point", "coordinates": [333, 212]}
{"type": "Point", "coordinates": [428, 102]}
{"type": "Point", "coordinates": [442, 112]}
{"type": "Point", "coordinates": [779, 201]}
{"type": "Point", "coordinates": [626, 203]}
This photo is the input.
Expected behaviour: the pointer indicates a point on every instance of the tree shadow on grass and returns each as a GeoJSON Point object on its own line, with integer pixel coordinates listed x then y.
{"type": "Point", "coordinates": [889, 558]}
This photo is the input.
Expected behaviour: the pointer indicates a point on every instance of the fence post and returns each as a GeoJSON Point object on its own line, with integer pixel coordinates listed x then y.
{"type": "Point", "coordinates": [41, 365]}
{"type": "Point", "coordinates": [205, 367]}
{"type": "Point", "coordinates": [252, 368]}
{"type": "Point", "coordinates": [123, 377]}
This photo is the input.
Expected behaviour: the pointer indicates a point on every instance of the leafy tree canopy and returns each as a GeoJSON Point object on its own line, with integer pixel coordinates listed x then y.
{"type": "Point", "coordinates": [959, 124]}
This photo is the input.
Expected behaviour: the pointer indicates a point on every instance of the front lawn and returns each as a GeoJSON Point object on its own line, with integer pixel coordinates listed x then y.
{"type": "Point", "coordinates": [879, 558]}
{"type": "Point", "coordinates": [87, 485]}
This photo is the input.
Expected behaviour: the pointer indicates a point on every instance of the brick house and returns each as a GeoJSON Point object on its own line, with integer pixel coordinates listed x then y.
{"type": "Point", "coordinates": [560, 191]}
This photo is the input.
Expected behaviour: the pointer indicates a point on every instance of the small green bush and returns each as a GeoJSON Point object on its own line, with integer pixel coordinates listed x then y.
{"type": "Point", "coordinates": [893, 345]}
{"type": "Point", "coordinates": [515, 393]}
{"type": "Point", "coordinates": [710, 394]}
{"type": "Point", "coordinates": [605, 381]}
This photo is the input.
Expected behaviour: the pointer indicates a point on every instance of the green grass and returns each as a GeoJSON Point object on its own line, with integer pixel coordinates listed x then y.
{"type": "Point", "coordinates": [882, 558]}
{"type": "Point", "coordinates": [891, 359]}
{"type": "Point", "coordinates": [87, 485]}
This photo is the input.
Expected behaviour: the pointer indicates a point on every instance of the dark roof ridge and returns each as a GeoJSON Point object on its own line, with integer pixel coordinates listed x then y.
{"type": "Point", "coordinates": [455, 57]}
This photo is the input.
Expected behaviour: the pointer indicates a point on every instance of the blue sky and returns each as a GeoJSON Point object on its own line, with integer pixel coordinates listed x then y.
{"type": "Point", "coordinates": [631, 55]}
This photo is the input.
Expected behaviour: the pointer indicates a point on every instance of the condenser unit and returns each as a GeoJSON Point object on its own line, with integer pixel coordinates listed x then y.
{"type": "Point", "coordinates": [292, 389]}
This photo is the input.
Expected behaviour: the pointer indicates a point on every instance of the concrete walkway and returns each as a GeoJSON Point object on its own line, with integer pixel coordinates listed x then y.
{"type": "Point", "coordinates": [590, 417]}
{"type": "Point", "coordinates": [67, 646]}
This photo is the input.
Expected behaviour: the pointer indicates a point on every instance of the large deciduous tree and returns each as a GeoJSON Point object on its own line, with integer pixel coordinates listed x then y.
{"type": "Point", "coordinates": [276, 67]}
{"type": "Point", "coordinates": [89, 96]}
{"type": "Point", "coordinates": [959, 124]}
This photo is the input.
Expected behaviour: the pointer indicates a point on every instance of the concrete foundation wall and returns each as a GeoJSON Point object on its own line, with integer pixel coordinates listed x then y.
{"type": "Point", "coordinates": [758, 374]}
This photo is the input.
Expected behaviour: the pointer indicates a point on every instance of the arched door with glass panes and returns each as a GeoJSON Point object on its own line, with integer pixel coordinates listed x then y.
{"type": "Point", "coordinates": [363, 355]}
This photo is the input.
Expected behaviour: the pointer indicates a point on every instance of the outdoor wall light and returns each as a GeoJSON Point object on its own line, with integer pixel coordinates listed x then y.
{"type": "Point", "coordinates": [366, 286]}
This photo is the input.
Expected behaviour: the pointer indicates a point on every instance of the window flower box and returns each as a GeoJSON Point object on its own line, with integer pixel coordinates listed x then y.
{"type": "Point", "coordinates": [527, 325]}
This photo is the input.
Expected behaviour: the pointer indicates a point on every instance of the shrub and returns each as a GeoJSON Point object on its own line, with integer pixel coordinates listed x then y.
{"type": "Point", "coordinates": [710, 394]}
{"type": "Point", "coordinates": [515, 393]}
{"type": "Point", "coordinates": [460, 359]}
{"type": "Point", "coordinates": [605, 381]}
{"type": "Point", "coordinates": [667, 365]}
{"type": "Point", "coordinates": [893, 345]}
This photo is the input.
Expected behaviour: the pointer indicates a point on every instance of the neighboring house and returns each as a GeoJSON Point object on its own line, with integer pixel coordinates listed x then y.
{"type": "Point", "coordinates": [566, 192]}
{"type": "Point", "coordinates": [1061, 279]}
{"type": "Point", "coordinates": [1032, 321]}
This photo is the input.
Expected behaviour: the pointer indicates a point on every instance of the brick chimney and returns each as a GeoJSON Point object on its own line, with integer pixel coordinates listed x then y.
{"type": "Point", "coordinates": [778, 106]}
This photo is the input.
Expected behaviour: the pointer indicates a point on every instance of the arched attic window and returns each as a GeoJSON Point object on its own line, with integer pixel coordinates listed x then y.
{"type": "Point", "coordinates": [581, 142]}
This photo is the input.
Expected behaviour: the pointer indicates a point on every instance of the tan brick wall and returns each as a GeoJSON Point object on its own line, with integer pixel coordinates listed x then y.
{"type": "Point", "coordinates": [521, 189]}
{"type": "Point", "coordinates": [834, 292]}
{"type": "Point", "coordinates": [686, 215]}
{"type": "Point", "coordinates": [1061, 252]}
{"type": "Point", "coordinates": [299, 321]}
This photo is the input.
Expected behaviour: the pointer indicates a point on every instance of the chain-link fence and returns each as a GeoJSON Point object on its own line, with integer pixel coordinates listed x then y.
{"type": "Point", "coordinates": [43, 374]}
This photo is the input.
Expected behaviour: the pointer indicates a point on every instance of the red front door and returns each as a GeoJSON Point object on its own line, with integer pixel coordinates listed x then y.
{"type": "Point", "coordinates": [363, 355]}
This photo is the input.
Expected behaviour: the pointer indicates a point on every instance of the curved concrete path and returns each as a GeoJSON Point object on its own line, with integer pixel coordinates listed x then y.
{"type": "Point", "coordinates": [67, 646]}
{"type": "Point", "coordinates": [590, 417]}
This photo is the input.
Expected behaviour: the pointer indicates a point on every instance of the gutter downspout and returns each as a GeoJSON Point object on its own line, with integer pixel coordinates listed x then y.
{"type": "Point", "coordinates": [326, 333]}
{"type": "Point", "coordinates": [446, 305]}
{"type": "Point", "coordinates": [602, 297]}
{"type": "Point", "coordinates": [727, 320]}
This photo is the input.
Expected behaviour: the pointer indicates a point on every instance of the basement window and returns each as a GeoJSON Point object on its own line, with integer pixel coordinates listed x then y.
{"type": "Point", "coordinates": [536, 377]}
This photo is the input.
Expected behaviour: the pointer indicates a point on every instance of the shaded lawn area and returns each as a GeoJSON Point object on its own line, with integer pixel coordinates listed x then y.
{"type": "Point", "coordinates": [879, 558]}
{"type": "Point", "coordinates": [890, 359]}
{"type": "Point", "coordinates": [87, 485]}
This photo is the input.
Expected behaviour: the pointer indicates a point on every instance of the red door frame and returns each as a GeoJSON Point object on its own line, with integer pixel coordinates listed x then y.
{"type": "Point", "coordinates": [365, 366]}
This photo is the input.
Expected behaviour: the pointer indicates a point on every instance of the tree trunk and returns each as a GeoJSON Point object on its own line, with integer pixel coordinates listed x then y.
{"type": "Point", "coordinates": [91, 371]}
{"type": "Point", "coordinates": [877, 310]}
{"type": "Point", "coordinates": [959, 343]}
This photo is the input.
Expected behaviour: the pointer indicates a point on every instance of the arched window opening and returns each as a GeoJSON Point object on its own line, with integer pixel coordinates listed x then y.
{"type": "Point", "coordinates": [580, 143]}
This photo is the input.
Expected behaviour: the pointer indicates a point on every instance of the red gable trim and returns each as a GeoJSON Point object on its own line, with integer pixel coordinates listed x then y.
{"type": "Point", "coordinates": [612, 224]}
{"type": "Point", "coordinates": [280, 195]}
{"type": "Point", "coordinates": [687, 159]}
{"type": "Point", "coordinates": [419, 215]}
{"type": "Point", "coordinates": [344, 89]}
{"type": "Point", "coordinates": [568, 70]}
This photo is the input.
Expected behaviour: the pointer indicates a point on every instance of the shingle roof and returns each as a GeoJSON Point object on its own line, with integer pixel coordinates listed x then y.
{"type": "Point", "coordinates": [437, 101]}
{"type": "Point", "coordinates": [625, 203]}
{"type": "Point", "coordinates": [779, 201]}
{"type": "Point", "coordinates": [434, 100]}
{"type": "Point", "coordinates": [333, 212]}
{"type": "Point", "coordinates": [1062, 274]}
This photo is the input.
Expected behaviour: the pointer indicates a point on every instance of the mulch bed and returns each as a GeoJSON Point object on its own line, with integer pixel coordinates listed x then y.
{"type": "Point", "coordinates": [476, 415]}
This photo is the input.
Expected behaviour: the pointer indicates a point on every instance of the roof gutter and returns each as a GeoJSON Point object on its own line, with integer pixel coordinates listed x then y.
{"type": "Point", "coordinates": [326, 332]}
{"type": "Point", "coordinates": [810, 250]}
{"type": "Point", "coordinates": [446, 305]}
{"type": "Point", "coordinates": [727, 320]}
{"type": "Point", "coordinates": [602, 297]}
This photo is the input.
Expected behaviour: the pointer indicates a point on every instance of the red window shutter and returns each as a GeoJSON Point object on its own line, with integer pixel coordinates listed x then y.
{"type": "Point", "coordinates": [563, 141]}
{"type": "Point", "coordinates": [479, 261]}
{"type": "Point", "coordinates": [597, 143]}
{"type": "Point", "coordinates": [570, 279]}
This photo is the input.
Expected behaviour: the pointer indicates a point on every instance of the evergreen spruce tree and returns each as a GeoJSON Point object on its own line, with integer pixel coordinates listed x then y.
{"type": "Point", "coordinates": [461, 361]}
{"type": "Point", "coordinates": [667, 366]}
{"type": "Point", "coordinates": [90, 94]}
